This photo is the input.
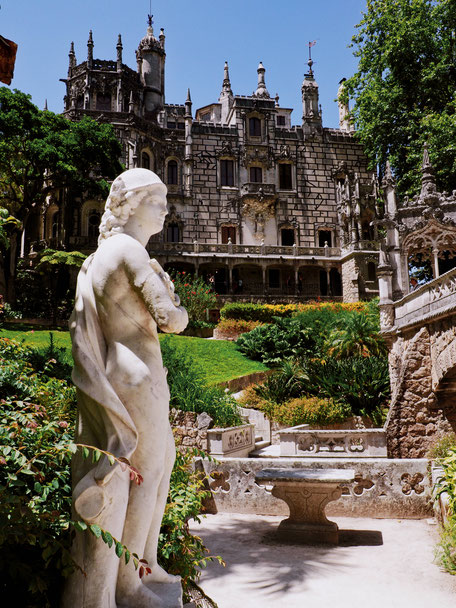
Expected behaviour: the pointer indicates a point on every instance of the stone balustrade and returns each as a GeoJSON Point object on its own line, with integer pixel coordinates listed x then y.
{"type": "Point", "coordinates": [430, 300]}
{"type": "Point", "coordinates": [339, 443]}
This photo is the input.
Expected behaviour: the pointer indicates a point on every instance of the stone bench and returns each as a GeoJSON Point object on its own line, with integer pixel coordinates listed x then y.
{"type": "Point", "coordinates": [307, 492]}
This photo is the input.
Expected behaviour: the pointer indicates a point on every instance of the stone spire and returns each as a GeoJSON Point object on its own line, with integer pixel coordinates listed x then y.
{"type": "Point", "coordinates": [261, 88]}
{"type": "Point", "coordinates": [226, 95]}
{"type": "Point", "coordinates": [71, 58]}
{"type": "Point", "coordinates": [162, 38]}
{"type": "Point", "coordinates": [188, 105]}
{"type": "Point", "coordinates": [90, 50]}
{"type": "Point", "coordinates": [428, 186]}
{"type": "Point", "coordinates": [45, 105]}
{"type": "Point", "coordinates": [344, 109]}
{"type": "Point", "coordinates": [226, 86]}
{"type": "Point", "coordinates": [389, 187]}
{"type": "Point", "coordinates": [119, 48]}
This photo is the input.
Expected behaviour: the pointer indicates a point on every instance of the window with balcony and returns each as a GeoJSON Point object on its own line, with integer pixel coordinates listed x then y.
{"type": "Point", "coordinates": [171, 177]}
{"type": "Point", "coordinates": [226, 172]}
{"type": "Point", "coordinates": [256, 175]}
{"type": "Point", "coordinates": [324, 236]}
{"type": "Point", "coordinates": [228, 232]}
{"type": "Point", "coordinates": [104, 102]}
{"type": "Point", "coordinates": [254, 127]}
{"type": "Point", "coordinates": [285, 177]}
{"type": "Point", "coordinates": [287, 237]}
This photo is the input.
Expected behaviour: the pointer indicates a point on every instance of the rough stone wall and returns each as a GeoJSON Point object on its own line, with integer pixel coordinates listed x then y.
{"type": "Point", "coordinates": [414, 420]}
{"type": "Point", "coordinates": [350, 280]}
{"type": "Point", "coordinates": [190, 429]}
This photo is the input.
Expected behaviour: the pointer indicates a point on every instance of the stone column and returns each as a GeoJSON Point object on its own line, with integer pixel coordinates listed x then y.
{"type": "Point", "coordinates": [435, 263]}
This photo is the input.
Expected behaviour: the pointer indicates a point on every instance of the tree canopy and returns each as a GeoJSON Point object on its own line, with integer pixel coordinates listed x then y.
{"type": "Point", "coordinates": [404, 89]}
{"type": "Point", "coordinates": [42, 152]}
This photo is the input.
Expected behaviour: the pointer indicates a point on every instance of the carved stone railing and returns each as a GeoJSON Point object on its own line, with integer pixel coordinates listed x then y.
{"type": "Point", "coordinates": [432, 299]}
{"type": "Point", "coordinates": [304, 442]}
{"type": "Point", "coordinates": [242, 250]}
{"type": "Point", "coordinates": [236, 441]}
{"type": "Point", "coordinates": [361, 246]}
{"type": "Point", "coordinates": [255, 187]}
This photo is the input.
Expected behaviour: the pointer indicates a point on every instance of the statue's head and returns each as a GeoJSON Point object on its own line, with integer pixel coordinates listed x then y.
{"type": "Point", "coordinates": [127, 192]}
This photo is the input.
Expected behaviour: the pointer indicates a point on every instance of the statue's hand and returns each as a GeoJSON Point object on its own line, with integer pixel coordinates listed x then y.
{"type": "Point", "coordinates": [165, 278]}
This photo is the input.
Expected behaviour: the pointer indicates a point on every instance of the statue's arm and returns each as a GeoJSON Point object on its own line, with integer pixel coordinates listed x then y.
{"type": "Point", "coordinates": [155, 292]}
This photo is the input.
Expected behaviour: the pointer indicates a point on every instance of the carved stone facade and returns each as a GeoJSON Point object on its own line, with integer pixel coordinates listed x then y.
{"type": "Point", "coordinates": [238, 173]}
{"type": "Point", "coordinates": [419, 320]}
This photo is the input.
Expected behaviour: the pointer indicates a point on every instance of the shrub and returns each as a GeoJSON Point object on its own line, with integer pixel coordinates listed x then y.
{"type": "Point", "coordinates": [195, 295]}
{"type": "Point", "coordinates": [234, 327]}
{"type": "Point", "coordinates": [52, 360]}
{"type": "Point", "coordinates": [358, 336]}
{"type": "Point", "coordinates": [190, 393]}
{"type": "Point", "coordinates": [362, 383]}
{"type": "Point", "coordinates": [446, 549]}
{"type": "Point", "coordinates": [37, 423]}
{"type": "Point", "coordinates": [257, 312]}
{"type": "Point", "coordinates": [442, 446]}
{"type": "Point", "coordinates": [309, 410]}
{"type": "Point", "coordinates": [273, 343]}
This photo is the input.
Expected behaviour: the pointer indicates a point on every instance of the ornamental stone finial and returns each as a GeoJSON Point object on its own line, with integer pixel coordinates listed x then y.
{"type": "Point", "coordinates": [261, 88]}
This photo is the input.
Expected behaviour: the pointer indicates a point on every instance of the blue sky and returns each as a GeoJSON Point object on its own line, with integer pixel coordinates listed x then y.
{"type": "Point", "coordinates": [200, 36]}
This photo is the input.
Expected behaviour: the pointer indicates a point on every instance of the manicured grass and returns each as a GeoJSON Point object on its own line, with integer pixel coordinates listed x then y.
{"type": "Point", "coordinates": [219, 359]}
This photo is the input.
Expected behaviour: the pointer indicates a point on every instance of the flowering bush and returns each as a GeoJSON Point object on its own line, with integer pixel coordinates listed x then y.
{"type": "Point", "coordinates": [232, 328]}
{"type": "Point", "coordinates": [195, 295]}
{"type": "Point", "coordinates": [267, 312]}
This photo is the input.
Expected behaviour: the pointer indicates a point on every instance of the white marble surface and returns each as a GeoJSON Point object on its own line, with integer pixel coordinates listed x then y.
{"type": "Point", "coordinates": [123, 399]}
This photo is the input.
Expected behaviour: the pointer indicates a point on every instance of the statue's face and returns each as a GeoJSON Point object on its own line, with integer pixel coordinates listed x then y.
{"type": "Point", "coordinates": [152, 207]}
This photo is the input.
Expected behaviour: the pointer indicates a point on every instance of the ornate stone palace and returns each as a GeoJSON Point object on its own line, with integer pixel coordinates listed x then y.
{"type": "Point", "coordinates": [269, 209]}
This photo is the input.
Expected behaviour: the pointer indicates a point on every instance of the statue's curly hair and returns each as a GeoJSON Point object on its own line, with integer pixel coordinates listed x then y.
{"type": "Point", "coordinates": [118, 209]}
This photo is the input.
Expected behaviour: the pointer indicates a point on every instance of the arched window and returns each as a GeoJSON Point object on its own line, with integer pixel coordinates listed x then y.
{"type": "Point", "coordinates": [172, 173]}
{"type": "Point", "coordinates": [254, 127]}
{"type": "Point", "coordinates": [145, 160]}
{"type": "Point", "coordinates": [104, 102]}
{"type": "Point", "coordinates": [94, 219]}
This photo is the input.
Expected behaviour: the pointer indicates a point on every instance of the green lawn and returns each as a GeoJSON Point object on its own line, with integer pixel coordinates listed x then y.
{"type": "Point", "coordinates": [219, 359]}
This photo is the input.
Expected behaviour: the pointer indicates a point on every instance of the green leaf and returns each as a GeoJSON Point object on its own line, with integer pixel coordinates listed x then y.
{"type": "Point", "coordinates": [107, 538]}
{"type": "Point", "coordinates": [80, 525]}
{"type": "Point", "coordinates": [85, 453]}
{"type": "Point", "coordinates": [96, 456]}
{"type": "Point", "coordinates": [111, 459]}
{"type": "Point", "coordinates": [96, 530]}
{"type": "Point", "coordinates": [119, 549]}
{"type": "Point", "coordinates": [127, 555]}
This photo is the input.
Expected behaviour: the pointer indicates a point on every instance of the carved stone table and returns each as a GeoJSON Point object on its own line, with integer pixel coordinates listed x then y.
{"type": "Point", "coordinates": [307, 492]}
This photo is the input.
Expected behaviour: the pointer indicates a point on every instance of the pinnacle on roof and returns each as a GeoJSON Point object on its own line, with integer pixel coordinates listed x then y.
{"type": "Point", "coordinates": [226, 87]}
{"type": "Point", "coordinates": [261, 88]}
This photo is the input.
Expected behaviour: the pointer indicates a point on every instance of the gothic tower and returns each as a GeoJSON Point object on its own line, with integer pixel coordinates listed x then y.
{"type": "Point", "coordinates": [150, 58]}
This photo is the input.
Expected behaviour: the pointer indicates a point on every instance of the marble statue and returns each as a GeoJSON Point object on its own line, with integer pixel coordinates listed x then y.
{"type": "Point", "coordinates": [123, 400]}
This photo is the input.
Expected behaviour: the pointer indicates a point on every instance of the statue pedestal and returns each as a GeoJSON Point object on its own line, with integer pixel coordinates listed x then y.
{"type": "Point", "coordinates": [170, 594]}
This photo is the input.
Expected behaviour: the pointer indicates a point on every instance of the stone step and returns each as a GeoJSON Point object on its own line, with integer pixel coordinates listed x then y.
{"type": "Point", "coordinates": [259, 445]}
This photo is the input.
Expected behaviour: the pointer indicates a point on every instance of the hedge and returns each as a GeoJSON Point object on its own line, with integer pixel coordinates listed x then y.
{"type": "Point", "coordinates": [266, 312]}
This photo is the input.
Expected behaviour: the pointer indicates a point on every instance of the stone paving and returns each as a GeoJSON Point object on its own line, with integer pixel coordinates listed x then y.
{"type": "Point", "coordinates": [379, 563]}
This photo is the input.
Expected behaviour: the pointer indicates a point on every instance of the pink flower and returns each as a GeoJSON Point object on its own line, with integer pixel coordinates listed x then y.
{"type": "Point", "coordinates": [2, 460]}
{"type": "Point", "coordinates": [63, 424]}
